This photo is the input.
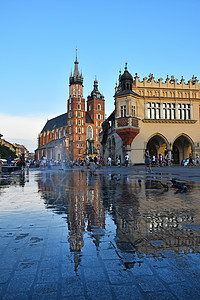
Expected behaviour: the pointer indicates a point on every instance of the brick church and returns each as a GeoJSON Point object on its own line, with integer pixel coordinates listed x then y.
{"type": "Point", "coordinates": [74, 134]}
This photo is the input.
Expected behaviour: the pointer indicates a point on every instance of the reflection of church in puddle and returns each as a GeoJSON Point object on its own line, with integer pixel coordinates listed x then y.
{"type": "Point", "coordinates": [146, 223]}
{"type": "Point", "coordinates": [77, 196]}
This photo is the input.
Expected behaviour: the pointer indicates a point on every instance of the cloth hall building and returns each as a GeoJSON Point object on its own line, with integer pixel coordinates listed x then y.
{"type": "Point", "coordinates": [74, 134]}
{"type": "Point", "coordinates": [162, 116]}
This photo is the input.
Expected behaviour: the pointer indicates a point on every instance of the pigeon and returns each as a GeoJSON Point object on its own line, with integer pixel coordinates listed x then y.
{"type": "Point", "coordinates": [164, 185]}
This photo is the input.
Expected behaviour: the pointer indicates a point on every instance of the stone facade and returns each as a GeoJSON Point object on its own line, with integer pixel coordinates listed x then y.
{"type": "Point", "coordinates": [161, 116]}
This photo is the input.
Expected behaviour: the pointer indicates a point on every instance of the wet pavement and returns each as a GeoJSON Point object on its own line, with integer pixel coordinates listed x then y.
{"type": "Point", "coordinates": [121, 234]}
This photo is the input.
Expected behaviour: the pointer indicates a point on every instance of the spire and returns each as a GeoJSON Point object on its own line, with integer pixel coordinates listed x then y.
{"type": "Point", "coordinates": [96, 84]}
{"type": "Point", "coordinates": [76, 71]}
{"type": "Point", "coordinates": [125, 66]}
{"type": "Point", "coordinates": [77, 77]}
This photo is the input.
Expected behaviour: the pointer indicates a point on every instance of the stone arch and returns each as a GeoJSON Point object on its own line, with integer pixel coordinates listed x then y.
{"type": "Point", "coordinates": [157, 144]}
{"type": "Point", "coordinates": [182, 146]}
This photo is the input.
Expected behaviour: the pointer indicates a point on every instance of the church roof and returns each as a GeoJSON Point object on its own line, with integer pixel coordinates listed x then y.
{"type": "Point", "coordinates": [52, 144]}
{"type": "Point", "coordinates": [88, 119]}
{"type": "Point", "coordinates": [55, 123]}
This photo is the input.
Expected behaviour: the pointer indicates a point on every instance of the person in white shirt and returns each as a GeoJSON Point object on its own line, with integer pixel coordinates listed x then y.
{"type": "Point", "coordinates": [126, 160]}
{"type": "Point", "coordinates": [109, 161]}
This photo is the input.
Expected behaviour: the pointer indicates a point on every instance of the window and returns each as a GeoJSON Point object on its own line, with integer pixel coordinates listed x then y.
{"type": "Point", "coordinates": [123, 111]}
{"type": "Point", "coordinates": [79, 107]}
{"type": "Point", "coordinates": [79, 99]}
{"type": "Point", "coordinates": [99, 107]}
{"type": "Point", "coordinates": [79, 114]}
{"type": "Point", "coordinates": [79, 130]}
{"type": "Point", "coordinates": [153, 110]}
{"type": "Point", "coordinates": [79, 122]}
{"type": "Point", "coordinates": [79, 138]}
{"type": "Point", "coordinates": [184, 111]}
{"type": "Point", "coordinates": [99, 117]}
{"type": "Point", "coordinates": [89, 132]}
{"type": "Point", "coordinates": [90, 107]}
{"type": "Point", "coordinates": [99, 124]}
{"type": "Point", "coordinates": [169, 111]}
{"type": "Point", "coordinates": [133, 110]}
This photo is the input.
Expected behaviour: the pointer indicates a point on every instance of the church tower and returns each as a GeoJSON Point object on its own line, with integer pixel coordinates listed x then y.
{"type": "Point", "coordinates": [76, 114]}
{"type": "Point", "coordinates": [96, 111]}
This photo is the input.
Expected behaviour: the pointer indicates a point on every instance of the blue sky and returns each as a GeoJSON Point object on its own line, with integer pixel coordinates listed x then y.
{"type": "Point", "coordinates": [38, 39]}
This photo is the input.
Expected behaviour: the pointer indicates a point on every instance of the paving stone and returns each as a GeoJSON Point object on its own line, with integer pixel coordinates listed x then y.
{"type": "Point", "coordinates": [164, 295]}
{"type": "Point", "coordinates": [130, 292]}
{"type": "Point", "coordinates": [15, 296]}
{"type": "Point", "coordinates": [98, 290]}
{"type": "Point", "coordinates": [123, 277]}
{"type": "Point", "coordinates": [20, 283]}
{"type": "Point", "coordinates": [170, 274]}
{"type": "Point", "coordinates": [141, 269]}
{"type": "Point", "coordinates": [150, 283]}
{"type": "Point", "coordinates": [4, 275]}
{"type": "Point", "coordinates": [183, 291]}
{"type": "Point", "coordinates": [45, 290]}
{"type": "Point", "coordinates": [47, 275]}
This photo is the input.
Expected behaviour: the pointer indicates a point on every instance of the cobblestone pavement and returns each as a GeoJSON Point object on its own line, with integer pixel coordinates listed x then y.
{"type": "Point", "coordinates": [120, 234]}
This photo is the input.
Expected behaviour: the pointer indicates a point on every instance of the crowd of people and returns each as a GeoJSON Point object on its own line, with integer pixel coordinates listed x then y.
{"type": "Point", "coordinates": [98, 161]}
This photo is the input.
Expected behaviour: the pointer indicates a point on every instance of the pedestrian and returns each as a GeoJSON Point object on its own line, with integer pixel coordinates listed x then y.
{"type": "Point", "coordinates": [9, 161]}
{"type": "Point", "coordinates": [126, 160]}
{"type": "Point", "coordinates": [22, 163]}
{"type": "Point", "coordinates": [154, 160]}
{"type": "Point", "coordinates": [191, 161]}
{"type": "Point", "coordinates": [0, 165]}
{"type": "Point", "coordinates": [109, 161]}
{"type": "Point", "coordinates": [197, 159]}
{"type": "Point", "coordinates": [119, 163]}
{"type": "Point", "coordinates": [147, 161]}
{"type": "Point", "coordinates": [160, 160]}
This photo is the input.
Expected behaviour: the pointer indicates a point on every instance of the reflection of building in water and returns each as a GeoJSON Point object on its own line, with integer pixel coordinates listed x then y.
{"type": "Point", "coordinates": [74, 195]}
{"type": "Point", "coordinates": [147, 222]}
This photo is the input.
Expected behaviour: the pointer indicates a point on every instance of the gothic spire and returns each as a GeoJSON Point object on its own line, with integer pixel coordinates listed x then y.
{"type": "Point", "coordinates": [77, 78]}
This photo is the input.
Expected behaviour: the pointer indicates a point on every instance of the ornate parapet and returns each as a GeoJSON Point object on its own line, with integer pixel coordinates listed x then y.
{"type": "Point", "coordinates": [169, 121]}
{"type": "Point", "coordinates": [172, 82]}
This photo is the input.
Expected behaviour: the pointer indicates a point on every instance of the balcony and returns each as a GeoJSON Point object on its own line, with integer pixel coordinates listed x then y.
{"type": "Point", "coordinates": [127, 122]}
{"type": "Point", "coordinates": [127, 128]}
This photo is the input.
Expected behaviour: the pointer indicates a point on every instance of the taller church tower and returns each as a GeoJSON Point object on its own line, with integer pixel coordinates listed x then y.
{"type": "Point", "coordinates": [76, 114]}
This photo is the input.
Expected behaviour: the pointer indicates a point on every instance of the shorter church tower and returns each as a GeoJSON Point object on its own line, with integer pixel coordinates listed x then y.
{"type": "Point", "coordinates": [96, 111]}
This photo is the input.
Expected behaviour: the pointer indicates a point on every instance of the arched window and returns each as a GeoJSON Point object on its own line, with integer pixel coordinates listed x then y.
{"type": "Point", "coordinates": [79, 130]}
{"type": "Point", "coordinates": [79, 122]}
{"type": "Point", "coordinates": [99, 107]}
{"type": "Point", "coordinates": [79, 106]}
{"type": "Point", "coordinates": [89, 132]}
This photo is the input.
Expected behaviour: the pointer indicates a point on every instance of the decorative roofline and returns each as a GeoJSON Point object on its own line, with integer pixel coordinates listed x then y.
{"type": "Point", "coordinates": [169, 121]}
{"type": "Point", "coordinates": [169, 82]}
